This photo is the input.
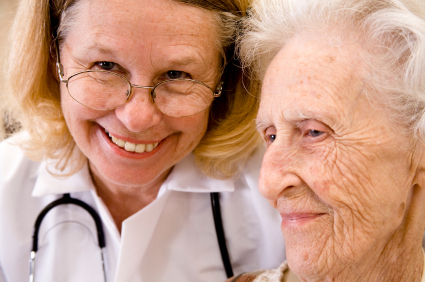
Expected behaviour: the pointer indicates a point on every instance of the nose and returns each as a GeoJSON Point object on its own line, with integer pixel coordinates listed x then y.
{"type": "Point", "coordinates": [279, 170]}
{"type": "Point", "coordinates": [139, 113]}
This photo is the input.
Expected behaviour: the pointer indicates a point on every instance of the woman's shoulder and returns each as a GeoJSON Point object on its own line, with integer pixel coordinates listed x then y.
{"type": "Point", "coordinates": [12, 158]}
{"type": "Point", "coordinates": [280, 274]}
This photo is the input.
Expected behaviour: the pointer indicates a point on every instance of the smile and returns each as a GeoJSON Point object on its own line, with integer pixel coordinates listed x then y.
{"type": "Point", "coordinates": [132, 147]}
{"type": "Point", "coordinates": [295, 219]}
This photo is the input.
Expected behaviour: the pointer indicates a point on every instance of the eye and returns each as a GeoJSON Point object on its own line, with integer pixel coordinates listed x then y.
{"type": "Point", "coordinates": [174, 74]}
{"type": "Point", "coordinates": [270, 135]}
{"type": "Point", "coordinates": [105, 65]}
{"type": "Point", "coordinates": [314, 133]}
{"type": "Point", "coordinates": [271, 138]}
{"type": "Point", "coordinates": [314, 130]}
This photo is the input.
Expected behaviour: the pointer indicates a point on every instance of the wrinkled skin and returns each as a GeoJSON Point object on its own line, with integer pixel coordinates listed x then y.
{"type": "Point", "coordinates": [337, 168]}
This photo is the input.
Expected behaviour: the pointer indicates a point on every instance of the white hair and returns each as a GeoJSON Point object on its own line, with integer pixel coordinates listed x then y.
{"type": "Point", "coordinates": [393, 33]}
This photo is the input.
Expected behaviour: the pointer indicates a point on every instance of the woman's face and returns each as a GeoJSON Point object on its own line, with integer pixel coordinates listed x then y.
{"type": "Point", "coordinates": [147, 42]}
{"type": "Point", "coordinates": [339, 172]}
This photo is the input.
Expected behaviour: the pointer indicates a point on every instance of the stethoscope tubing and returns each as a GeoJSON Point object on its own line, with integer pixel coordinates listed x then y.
{"type": "Point", "coordinates": [221, 238]}
{"type": "Point", "coordinates": [66, 199]}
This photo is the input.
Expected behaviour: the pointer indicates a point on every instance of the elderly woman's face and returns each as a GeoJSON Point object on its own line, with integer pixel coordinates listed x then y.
{"type": "Point", "coordinates": [339, 172]}
{"type": "Point", "coordinates": [147, 42]}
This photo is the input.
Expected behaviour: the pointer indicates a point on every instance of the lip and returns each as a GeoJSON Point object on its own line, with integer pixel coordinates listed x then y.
{"type": "Point", "coordinates": [298, 219]}
{"type": "Point", "coordinates": [123, 153]}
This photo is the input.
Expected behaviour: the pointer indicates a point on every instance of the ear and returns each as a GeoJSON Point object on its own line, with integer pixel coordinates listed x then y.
{"type": "Point", "coordinates": [52, 61]}
{"type": "Point", "coordinates": [418, 161]}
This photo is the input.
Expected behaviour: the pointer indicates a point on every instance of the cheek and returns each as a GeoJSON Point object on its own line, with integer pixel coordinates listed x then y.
{"type": "Point", "coordinates": [77, 116]}
{"type": "Point", "coordinates": [339, 176]}
{"type": "Point", "coordinates": [192, 128]}
{"type": "Point", "coordinates": [358, 184]}
{"type": "Point", "coordinates": [319, 167]}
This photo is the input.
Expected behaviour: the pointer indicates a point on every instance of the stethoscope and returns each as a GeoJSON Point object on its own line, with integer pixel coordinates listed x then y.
{"type": "Point", "coordinates": [66, 199]}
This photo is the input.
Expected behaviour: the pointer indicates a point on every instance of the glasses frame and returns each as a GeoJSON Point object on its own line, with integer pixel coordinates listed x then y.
{"type": "Point", "coordinates": [129, 94]}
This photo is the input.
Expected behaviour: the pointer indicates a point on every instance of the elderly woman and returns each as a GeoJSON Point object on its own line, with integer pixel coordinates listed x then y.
{"type": "Point", "coordinates": [112, 97]}
{"type": "Point", "coordinates": [343, 115]}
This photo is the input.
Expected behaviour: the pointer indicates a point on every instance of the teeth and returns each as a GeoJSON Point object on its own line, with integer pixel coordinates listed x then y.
{"type": "Point", "coordinates": [131, 147]}
{"type": "Point", "coordinates": [140, 148]}
{"type": "Point", "coordinates": [120, 143]}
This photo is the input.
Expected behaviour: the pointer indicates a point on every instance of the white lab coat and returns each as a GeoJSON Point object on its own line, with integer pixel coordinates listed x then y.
{"type": "Point", "coordinates": [172, 239]}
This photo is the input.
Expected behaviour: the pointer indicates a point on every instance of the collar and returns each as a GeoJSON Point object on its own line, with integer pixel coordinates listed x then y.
{"type": "Point", "coordinates": [52, 181]}
{"type": "Point", "coordinates": [187, 177]}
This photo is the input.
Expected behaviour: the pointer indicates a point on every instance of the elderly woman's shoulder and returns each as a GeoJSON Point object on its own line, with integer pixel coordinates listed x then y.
{"type": "Point", "coordinates": [280, 274]}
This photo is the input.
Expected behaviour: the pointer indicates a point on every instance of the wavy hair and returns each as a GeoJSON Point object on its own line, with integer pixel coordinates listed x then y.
{"type": "Point", "coordinates": [390, 32]}
{"type": "Point", "coordinates": [34, 96]}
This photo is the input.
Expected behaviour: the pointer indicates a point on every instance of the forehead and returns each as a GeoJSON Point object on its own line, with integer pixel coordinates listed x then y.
{"type": "Point", "coordinates": [309, 77]}
{"type": "Point", "coordinates": [141, 24]}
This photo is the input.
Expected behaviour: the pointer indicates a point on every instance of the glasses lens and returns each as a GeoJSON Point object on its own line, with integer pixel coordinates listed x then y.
{"type": "Point", "coordinates": [179, 98]}
{"type": "Point", "coordinates": [99, 90]}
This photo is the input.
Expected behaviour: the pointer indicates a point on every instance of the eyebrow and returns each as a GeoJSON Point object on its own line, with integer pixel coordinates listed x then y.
{"type": "Point", "coordinates": [261, 124]}
{"type": "Point", "coordinates": [178, 60]}
{"type": "Point", "coordinates": [97, 48]}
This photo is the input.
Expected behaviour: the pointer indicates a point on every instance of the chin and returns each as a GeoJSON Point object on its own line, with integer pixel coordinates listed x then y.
{"type": "Point", "coordinates": [129, 176]}
{"type": "Point", "coordinates": [310, 253]}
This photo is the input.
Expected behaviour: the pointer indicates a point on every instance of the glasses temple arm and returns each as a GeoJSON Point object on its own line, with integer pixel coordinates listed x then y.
{"type": "Point", "coordinates": [58, 63]}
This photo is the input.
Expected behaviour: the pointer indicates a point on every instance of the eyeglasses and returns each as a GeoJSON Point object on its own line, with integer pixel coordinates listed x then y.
{"type": "Point", "coordinates": [105, 90]}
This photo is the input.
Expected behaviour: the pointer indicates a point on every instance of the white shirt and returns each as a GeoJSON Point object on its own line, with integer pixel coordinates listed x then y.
{"type": "Point", "coordinates": [172, 239]}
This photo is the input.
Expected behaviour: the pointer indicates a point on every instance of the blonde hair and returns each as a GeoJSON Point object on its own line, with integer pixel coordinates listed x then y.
{"type": "Point", "coordinates": [34, 96]}
{"type": "Point", "coordinates": [391, 33]}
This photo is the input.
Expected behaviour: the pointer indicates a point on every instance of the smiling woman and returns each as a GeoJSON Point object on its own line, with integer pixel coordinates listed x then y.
{"type": "Point", "coordinates": [138, 109]}
{"type": "Point", "coordinates": [342, 113]}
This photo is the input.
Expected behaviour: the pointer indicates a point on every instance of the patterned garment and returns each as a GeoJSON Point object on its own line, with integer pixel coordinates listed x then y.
{"type": "Point", "coordinates": [280, 274]}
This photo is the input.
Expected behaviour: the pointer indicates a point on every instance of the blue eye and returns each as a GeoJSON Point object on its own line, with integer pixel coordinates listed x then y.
{"type": "Point", "coordinates": [106, 65]}
{"type": "Point", "coordinates": [315, 133]}
{"type": "Point", "coordinates": [272, 137]}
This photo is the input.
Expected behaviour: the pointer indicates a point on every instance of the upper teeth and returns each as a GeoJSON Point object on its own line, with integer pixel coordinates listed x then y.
{"type": "Point", "coordinates": [132, 147]}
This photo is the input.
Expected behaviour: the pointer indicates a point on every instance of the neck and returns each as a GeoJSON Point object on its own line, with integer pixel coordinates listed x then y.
{"type": "Point", "coordinates": [123, 201]}
{"type": "Point", "coordinates": [400, 264]}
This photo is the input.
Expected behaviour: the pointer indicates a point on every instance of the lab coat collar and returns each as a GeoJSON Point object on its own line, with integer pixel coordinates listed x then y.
{"type": "Point", "coordinates": [187, 177]}
{"type": "Point", "coordinates": [53, 181]}
{"type": "Point", "coordinates": [135, 238]}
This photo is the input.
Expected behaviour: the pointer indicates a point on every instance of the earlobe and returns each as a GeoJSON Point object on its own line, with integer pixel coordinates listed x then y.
{"type": "Point", "coordinates": [54, 70]}
{"type": "Point", "coordinates": [419, 155]}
